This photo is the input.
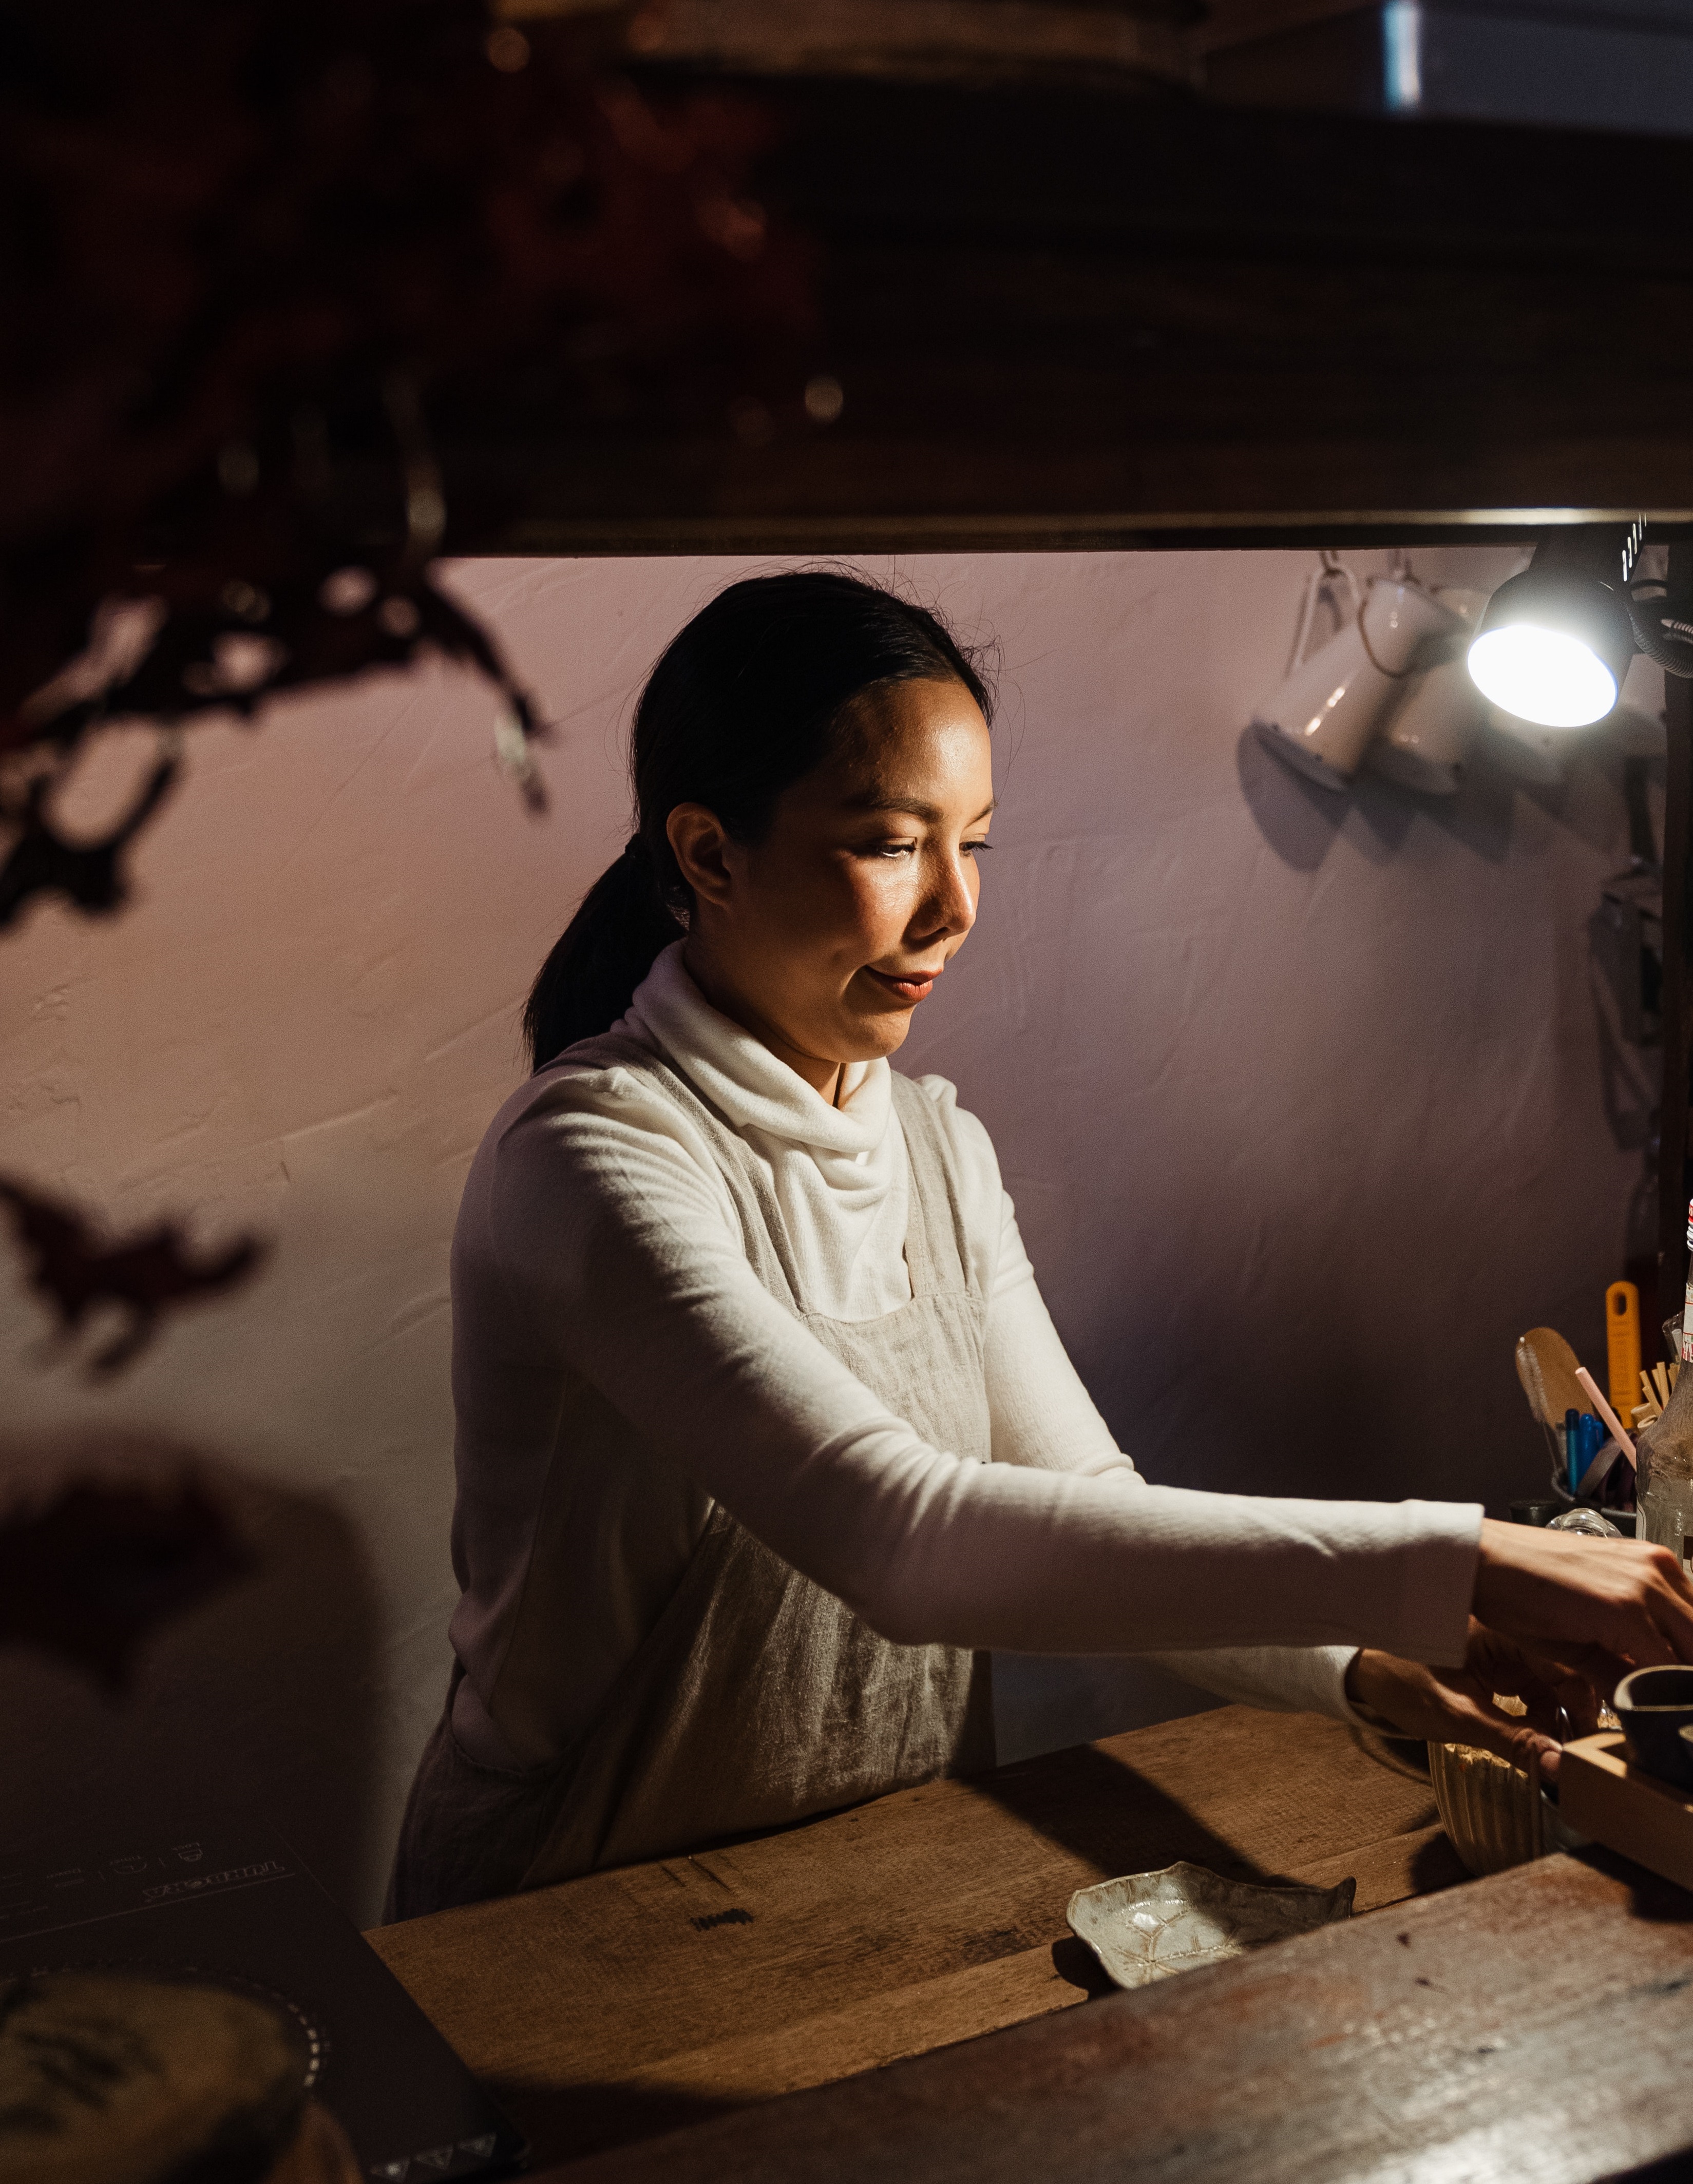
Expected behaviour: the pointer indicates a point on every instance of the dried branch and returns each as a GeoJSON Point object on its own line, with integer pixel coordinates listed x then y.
{"type": "Point", "coordinates": [248, 250]}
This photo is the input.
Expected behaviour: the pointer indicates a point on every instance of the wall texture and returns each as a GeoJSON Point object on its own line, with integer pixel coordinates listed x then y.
{"type": "Point", "coordinates": [1308, 1103]}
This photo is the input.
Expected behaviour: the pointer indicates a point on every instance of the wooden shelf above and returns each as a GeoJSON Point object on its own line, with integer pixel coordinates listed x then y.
{"type": "Point", "coordinates": [1085, 317]}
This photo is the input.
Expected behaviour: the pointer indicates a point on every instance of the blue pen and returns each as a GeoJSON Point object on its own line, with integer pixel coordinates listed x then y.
{"type": "Point", "coordinates": [1592, 1439]}
{"type": "Point", "coordinates": [1594, 1436]}
{"type": "Point", "coordinates": [1572, 1440]}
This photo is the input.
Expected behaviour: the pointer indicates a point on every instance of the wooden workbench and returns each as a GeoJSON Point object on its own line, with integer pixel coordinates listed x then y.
{"type": "Point", "coordinates": [1534, 2028]}
{"type": "Point", "coordinates": [614, 2008]}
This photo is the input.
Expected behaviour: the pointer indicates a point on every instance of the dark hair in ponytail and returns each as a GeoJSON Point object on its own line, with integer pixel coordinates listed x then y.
{"type": "Point", "coordinates": [742, 704]}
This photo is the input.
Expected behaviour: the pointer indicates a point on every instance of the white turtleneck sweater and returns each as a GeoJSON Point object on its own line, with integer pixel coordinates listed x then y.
{"type": "Point", "coordinates": [597, 1243]}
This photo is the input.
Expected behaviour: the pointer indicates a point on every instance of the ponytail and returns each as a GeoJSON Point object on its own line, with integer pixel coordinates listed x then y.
{"type": "Point", "coordinates": [742, 704]}
{"type": "Point", "coordinates": [620, 927]}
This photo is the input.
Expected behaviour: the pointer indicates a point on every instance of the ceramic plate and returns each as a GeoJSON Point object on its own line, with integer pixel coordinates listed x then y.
{"type": "Point", "coordinates": [1149, 1925]}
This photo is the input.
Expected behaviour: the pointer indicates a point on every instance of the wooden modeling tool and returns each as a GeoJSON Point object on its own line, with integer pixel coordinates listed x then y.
{"type": "Point", "coordinates": [1621, 1342]}
{"type": "Point", "coordinates": [1546, 1365]}
{"type": "Point", "coordinates": [1656, 1386]}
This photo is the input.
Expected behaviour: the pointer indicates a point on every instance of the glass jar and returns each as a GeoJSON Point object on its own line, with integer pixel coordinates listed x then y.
{"type": "Point", "coordinates": [1666, 1511]}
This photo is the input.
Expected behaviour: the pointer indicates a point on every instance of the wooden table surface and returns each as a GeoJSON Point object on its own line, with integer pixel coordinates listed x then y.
{"type": "Point", "coordinates": [612, 2008]}
{"type": "Point", "coordinates": [1534, 2028]}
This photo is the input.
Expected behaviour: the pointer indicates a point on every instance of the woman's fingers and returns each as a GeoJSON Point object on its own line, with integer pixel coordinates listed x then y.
{"type": "Point", "coordinates": [1512, 1739]}
{"type": "Point", "coordinates": [1659, 1602]}
{"type": "Point", "coordinates": [1579, 1704]}
{"type": "Point", "coordinates": [1468, 1716]}
{"type": "Point", "coordinates": [1589, 1668]}
{"type": "Point", "coordinates": [1446, 1705]}
{"type": "Point", "coordinates": [1563, 1691]}
{"type": "Point", "coordinates": [1656, 1639]}
{"type": "Point", "coordinates": [1622, 1594]}
{"type": "Point", "coordinates": [1577, 1668]}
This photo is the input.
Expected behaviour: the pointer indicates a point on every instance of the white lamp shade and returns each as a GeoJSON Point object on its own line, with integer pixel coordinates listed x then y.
{"type": "Point", "coordinates": [1546, 676]}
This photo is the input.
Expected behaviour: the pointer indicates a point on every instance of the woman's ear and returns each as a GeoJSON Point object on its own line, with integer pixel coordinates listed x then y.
{"type": "Point", "coordinates": [700, 846]}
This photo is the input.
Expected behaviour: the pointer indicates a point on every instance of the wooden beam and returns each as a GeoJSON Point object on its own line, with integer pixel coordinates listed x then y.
{"type": "Point", "coordinates": [1060, 316]}
{"type": "Point", "coordinates": [908, 41]}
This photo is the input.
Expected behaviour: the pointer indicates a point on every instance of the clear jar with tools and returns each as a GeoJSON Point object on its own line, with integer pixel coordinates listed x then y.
{"type": "Point", "coordinates": [1663, 1487]}
{"type": "Point", "coordinates": [1664, 1498]}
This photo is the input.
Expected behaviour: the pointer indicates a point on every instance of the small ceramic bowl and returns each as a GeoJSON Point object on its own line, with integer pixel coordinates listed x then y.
{"type": "Point", "coordinates": [1149, 1925]}
{"type": "Point", "coordinates": [1654, 1706]}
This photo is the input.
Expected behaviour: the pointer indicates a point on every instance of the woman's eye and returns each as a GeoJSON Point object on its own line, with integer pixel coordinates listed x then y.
{"type": "Point", "coordinates": [903, 851]}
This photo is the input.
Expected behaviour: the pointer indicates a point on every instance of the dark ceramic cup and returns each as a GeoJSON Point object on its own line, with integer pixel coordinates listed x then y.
{"type": "Point", "coordinates": [1654, 1706]}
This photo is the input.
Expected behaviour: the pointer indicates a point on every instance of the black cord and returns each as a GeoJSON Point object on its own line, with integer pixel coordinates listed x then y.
{"type": "Point", "coordinates": [1664, 631]}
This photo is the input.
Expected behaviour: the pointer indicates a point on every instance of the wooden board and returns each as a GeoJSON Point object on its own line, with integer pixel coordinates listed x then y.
{"type": "Point", "coordinates": [1063, 317]}
{"type": "Point", "coordinates": [1602, 1796]}
{"type": "Point", "coordinates": [1534, 2027]}
{"type": "Point", "coordinates": [632, 2001]}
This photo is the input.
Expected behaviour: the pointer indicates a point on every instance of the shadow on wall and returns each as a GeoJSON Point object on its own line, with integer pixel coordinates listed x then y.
{"type": "Point", "coordinates": [261, 1702]}
{"type": "Point", "coordinates": [1300, 820]}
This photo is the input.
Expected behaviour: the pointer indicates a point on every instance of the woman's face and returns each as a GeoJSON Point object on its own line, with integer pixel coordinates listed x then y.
{"type": "Point", "coordinates": [824, 938]}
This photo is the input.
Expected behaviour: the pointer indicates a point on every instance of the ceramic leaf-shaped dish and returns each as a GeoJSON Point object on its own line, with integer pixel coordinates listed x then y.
{"type": "Point", "coordinates": [1149, 1925]}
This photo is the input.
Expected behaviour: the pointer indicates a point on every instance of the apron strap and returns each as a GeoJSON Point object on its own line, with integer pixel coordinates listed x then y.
{"type": "Point", "coordinates": [936, 1255]}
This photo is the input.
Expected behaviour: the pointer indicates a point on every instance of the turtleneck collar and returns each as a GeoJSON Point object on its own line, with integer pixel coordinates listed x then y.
{"type": "Point", "coordinates": [745, 1082]}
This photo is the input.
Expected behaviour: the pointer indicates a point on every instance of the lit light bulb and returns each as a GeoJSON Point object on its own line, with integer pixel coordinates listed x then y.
{"type": "Point", "coordinates": [1554, 642]}
{"type": "Point", "coordinates": [1542, 674]}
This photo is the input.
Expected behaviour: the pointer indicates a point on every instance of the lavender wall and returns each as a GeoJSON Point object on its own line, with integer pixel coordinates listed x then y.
{"type": "Point", "coordinates": [1306, 1103]}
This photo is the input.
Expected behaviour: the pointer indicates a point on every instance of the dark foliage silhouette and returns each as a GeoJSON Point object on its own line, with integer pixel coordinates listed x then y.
{"type": "Point", "coordinates": [77, 1272]}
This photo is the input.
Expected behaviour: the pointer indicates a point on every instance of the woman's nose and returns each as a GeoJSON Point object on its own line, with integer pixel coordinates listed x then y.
{"type": "Point", "coordinates": [953, 904]}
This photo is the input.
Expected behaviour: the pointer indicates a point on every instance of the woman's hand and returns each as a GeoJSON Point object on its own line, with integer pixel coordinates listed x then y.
{"type": "Point", "coordinates": [1618, 1599]}
{"type": "Point", "coordinates": [1456, 1706]}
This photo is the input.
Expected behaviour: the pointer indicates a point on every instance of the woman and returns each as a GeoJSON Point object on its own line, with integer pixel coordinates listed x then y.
{"type": "Point", "coordinates": [764, 1435]}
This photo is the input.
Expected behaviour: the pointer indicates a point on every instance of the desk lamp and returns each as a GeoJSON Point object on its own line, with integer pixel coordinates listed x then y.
{"type": "Point", "coordinates": [1555, 643]}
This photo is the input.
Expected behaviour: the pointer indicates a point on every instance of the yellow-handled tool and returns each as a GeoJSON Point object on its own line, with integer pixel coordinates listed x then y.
{"type": "Point", "coordinates": [1623, 1344]}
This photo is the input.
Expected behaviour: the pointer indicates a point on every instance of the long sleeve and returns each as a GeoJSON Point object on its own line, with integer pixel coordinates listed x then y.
{"type": "Point", "coordinates": [1044, 1416]}
{"type": "Point", "coordinates": [612, 1238]}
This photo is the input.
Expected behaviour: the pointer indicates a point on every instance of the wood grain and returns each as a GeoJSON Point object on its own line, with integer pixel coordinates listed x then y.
{"type": "Point", "coordinates": [1070, 318]}
{"type": "Point", "coordinates": [908, 40]}
{"type": "Point", "coordinates": [631, 2002]}
{"type": "Point", "coordinates": [1627, 1810]}
{"type": "Point", "coordinates": [1532, 2026]}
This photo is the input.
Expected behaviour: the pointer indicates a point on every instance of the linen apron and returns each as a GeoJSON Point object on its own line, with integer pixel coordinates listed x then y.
{"type": "Point", "coordinates": [757, 1698]}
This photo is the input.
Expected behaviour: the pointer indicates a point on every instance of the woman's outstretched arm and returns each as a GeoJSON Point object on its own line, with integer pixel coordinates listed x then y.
{"type": "Point", "coordinates": [1044, 1416]}
{"type": "Point", "coordinates": [607, 1244]}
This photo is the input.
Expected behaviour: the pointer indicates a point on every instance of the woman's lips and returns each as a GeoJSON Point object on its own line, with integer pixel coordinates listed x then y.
{"type": "Point", "coordinates": [915, 987]}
